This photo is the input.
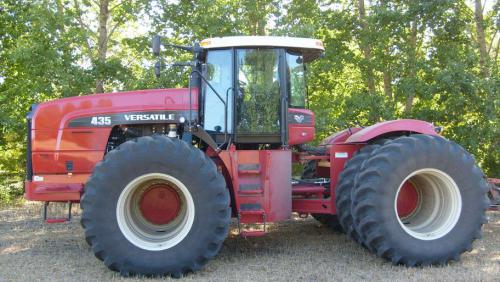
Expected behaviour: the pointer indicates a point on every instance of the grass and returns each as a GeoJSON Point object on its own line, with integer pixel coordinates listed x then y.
{"type": "Point", "coordinates": [298, 249]}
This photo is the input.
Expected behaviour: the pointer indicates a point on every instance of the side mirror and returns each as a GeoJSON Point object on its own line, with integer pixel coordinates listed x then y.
{"type": "Point", "coordinates": [156, 44]}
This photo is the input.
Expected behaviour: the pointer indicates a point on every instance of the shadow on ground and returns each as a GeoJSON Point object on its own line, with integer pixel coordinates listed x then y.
{"type": "Point", "coordinates": [298, 249]}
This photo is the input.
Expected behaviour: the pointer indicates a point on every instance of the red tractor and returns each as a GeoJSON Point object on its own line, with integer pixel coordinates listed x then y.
{"type": "Point", "coordinates": [160, 173]}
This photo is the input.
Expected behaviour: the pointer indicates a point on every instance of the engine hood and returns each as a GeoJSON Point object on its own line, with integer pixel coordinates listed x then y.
{"type": "Point", "coordinates": [57, 114]}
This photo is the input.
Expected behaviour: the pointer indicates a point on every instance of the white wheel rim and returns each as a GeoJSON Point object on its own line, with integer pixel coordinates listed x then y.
{"type": "Point", "coordinates": [439, 207]}
{"type": "Point", "coordinates": [146, 235]}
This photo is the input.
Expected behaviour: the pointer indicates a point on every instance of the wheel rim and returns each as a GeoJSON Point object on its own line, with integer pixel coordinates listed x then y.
{"type": "Point", "coordinates": [155, 211]}
{"type": "Point", "coordinates": [437, 207]}
{"type": "Point", "coordinates": [408, 200]}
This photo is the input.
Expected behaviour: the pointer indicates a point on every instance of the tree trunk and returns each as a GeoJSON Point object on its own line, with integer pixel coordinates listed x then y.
{"type": "Point", "coordinates": [484, 60]}
{"type": "Point", "coordinates": [365, 47]}
{"type": "Point", "coordinates": [60, 7]}
{"type": "Point", "coordinates": [257, 16]}
{"type": "Point", "coordinates": [387, 61]}
{"type": "Point", "coordinates": [102, 43]}
{"type": "Point", "coordinates": [387, 84]}
{"type": "Point", "coordinates": [481, 40]}
{"type": "Point", "coordinates": [60, 12]}
{"type": "Point", "coordinates": [412, 66]}
{"type": "Point", "coordinates": [496, 52]}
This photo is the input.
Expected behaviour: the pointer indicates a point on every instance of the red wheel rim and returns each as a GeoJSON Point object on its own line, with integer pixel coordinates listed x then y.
{"type": "Point", "coordinates": [407, 200]}
{"type": "Point", "coordinates": [160, 204]}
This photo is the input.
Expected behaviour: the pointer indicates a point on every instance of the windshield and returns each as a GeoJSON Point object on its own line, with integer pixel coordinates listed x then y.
{"type": "Point", "coordinates": [258, 100]}
{"type": "Point", "coordinates": [297, 83]}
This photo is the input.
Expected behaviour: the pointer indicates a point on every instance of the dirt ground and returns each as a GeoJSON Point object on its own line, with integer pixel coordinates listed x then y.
{"type": "Point", "coordinates": [298, 249]}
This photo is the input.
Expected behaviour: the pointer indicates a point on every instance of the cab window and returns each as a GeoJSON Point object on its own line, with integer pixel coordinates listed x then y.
{"type": "Point", "coordinates": [258, 100]}
{"type": "Point", "coordinates": [297, 79]}
{"type": "Point", "coordinates": [219, 73]}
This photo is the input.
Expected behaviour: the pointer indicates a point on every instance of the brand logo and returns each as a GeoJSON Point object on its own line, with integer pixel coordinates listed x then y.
{"type": "Point", "coordinates": [130, 118]}
{"type": "Point", "coordinates": [298, 118]}
{"type": "Point", "coordinates": [146, 117]}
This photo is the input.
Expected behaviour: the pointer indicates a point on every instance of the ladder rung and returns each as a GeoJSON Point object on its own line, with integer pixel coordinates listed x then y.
{"type": "Point", "coordinates": [251, 192]}
{"type": "Point", "coordinates": [252, 233]}
{"type": "Point", "coordinates": [250, 189]}
{"type": "Point", "coordinates": [56, 220]}
{"type": "Point", "coordinates": [244, 187]}
{"type": "Point", "coordinates": [247, 233]}
{"type": "Point", "coordinates": [249, 168]}
{"type": "Point", "coordinates": [252, 212]}
{"type": "Point", "coordinates": [249, 171]}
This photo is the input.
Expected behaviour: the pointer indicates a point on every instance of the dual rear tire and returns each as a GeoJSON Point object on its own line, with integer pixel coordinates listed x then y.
{"type": "Point", "coordinates": [416, 200]}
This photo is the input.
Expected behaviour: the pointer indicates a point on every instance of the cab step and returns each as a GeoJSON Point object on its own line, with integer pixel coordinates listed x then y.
{"type": "Point", "coordinates": [245, 233]}
{"type": "Point", "coordinates": [51, 220]}
{"type": "Point", "coordinates": [253, 212]}
{"type": "Point", "coordinates": [249, 169]}
{"type": "Point", "coordinates": [252, 233]}
{"type": "Point", "coordinates": [250, 189]}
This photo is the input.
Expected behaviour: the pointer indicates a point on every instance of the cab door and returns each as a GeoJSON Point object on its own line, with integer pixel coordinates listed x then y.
{"type": "Point", "coordinates": [260, 96]}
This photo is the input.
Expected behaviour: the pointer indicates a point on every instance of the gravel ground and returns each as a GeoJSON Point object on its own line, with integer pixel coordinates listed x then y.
{"type": "Point", "coordinates": [298, 249]}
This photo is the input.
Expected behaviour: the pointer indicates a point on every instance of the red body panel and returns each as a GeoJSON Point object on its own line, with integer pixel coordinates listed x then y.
{"type": "Point", "coordinates": [55, 187]}
{"type": "Point", "coordinates": [54, 142]}
{"type": "Point", "coordinates": [260, 180]}
{"type": "Point", "coordinates": [269, 174]}
{"type": "Point", "coordinates": [55, 192]}
{"type": "Point", "coordinates": [339, 154]}
{"type": "Point", "coordinates": [340, 137]}
{"type": "Point", "coordinates": [392, 126]}
{"type": "Point", "coordinates": [55, 114]}
{"type": "Point", "coordinates": [301, 127]}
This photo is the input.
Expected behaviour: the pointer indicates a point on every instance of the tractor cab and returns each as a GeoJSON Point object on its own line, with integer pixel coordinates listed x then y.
{"type": "Point", "coordinates": [259, 79]}
{"type": "Point", "coordinates": [252, 90]}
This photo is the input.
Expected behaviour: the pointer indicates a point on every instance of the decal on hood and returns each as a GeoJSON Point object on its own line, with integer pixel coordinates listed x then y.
{"type": "Point", "coordinates": [106, 120]}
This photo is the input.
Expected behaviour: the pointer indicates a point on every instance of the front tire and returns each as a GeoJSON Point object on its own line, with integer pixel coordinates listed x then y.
{"type": "Point", "coordinates": [419, 200]}
{"type": "Point", "coordinates": [155, 206]}
{"type": "Point", "coordinates": [344, 188]}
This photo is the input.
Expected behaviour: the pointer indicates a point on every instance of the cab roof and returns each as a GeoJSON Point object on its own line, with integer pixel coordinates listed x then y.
{"type": "Point", "coordinates": [310, 48]}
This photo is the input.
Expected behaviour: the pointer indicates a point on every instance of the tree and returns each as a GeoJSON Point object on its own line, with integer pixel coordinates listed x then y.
{"type": "Point", "coordinates": [365, 47]}
{"type": "Point", "coordinates": [484, 58]}
{"type": "Point", "coordinates": [111, 15]}
{"type": "Point", "coordinates": [37, 63]}
{"type": "Point", "coordinates": [384, 59]}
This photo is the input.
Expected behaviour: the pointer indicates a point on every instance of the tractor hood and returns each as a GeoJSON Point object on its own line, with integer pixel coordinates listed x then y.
{"type": "Point", "coordinates": [59, 114]}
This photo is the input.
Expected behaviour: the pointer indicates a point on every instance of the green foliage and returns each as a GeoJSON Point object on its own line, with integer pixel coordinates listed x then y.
{"type": "Point", "coordinates": [424, 59]}
{"type": "Point", "coordinates": [258, 96]}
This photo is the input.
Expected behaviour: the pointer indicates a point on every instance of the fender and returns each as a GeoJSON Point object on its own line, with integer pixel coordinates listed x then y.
{"type": "Point", "coordinates": [392, 127]}
{"type": "Point", "coordinates": [340, 136]}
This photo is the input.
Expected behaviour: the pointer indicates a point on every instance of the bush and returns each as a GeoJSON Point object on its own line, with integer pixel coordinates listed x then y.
{"type": "Point", "coordinates": [11, 189]}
